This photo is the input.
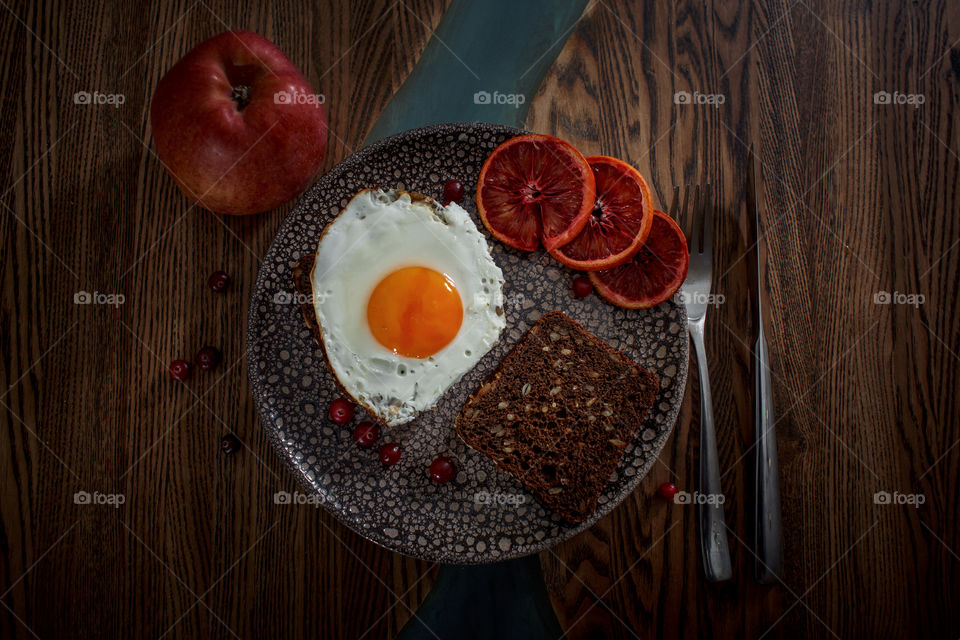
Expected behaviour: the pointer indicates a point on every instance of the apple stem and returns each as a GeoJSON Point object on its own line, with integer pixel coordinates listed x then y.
{"type": "Point", "coordinates": [241, 95]}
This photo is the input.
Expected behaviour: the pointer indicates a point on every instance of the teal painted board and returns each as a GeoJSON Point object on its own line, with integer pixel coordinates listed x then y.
{"type": "Point", "coordinates": [502, 601]}
{"type": "Point", "coordinates": [484, 63]}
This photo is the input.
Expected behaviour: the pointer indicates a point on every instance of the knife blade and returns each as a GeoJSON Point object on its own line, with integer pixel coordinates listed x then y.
{"type": "Point", "coordinates": [767, 532]}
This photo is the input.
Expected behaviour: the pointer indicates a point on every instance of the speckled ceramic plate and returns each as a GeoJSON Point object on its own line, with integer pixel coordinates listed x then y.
{"type": "Point", "coordinates": [484, 515]}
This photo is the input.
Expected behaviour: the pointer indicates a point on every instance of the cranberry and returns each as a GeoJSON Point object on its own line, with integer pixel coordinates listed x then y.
{"type": "Point", "coordinates": [366, 433]}
{"type": "Point", "coordinates": [219, 281]}
{"type": "Point", "coordinates": [229, 443]}
{"type": "Point", "coordinates": [208, 358]}
{"type": "Point", "coordinates": [180, 370]}
{"type": "Point", "coordinates": [341, 411]}
{"type": "Point", "coordinates": [582, 287]}
{"type": "Point", "coordinates": [443, 469]}
{"type": "Point", "coordinates": [452, 191]}
{"type": "Point", "coordinates": [390, 453]}
{"type": "Point", "coordinates": [667, 490]}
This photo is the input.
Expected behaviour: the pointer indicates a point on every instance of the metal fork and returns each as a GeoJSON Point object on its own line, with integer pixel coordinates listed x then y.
{"type": "Point", "coordinates": [695, 294]}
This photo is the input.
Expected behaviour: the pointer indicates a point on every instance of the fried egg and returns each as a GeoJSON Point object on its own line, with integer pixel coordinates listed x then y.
{"type": "Point", "coordinates": [408, 299]}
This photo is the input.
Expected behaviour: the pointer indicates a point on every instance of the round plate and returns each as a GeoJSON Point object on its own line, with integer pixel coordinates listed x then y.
{"type": "Point", "coordinates": [484, 515]}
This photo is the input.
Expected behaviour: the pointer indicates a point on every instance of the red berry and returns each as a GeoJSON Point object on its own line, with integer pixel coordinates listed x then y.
{"type": "Point", "coordinates": [667, 490]}
{"type": "Point", "coordinates": [207, 358]}
{"type": "Point", "coordinates": [341, 411]}
{"type": "Point", "coordinates": [219, 281]}
{"type": "Point", "coordinates": [452, 191]}
{"type": "Point", "coordinates": [366, 433]}
{"type": "Point", "coordinates": [582, 287]}
{"type": "Point", "coordinates": [180, 370]}
{"type": "Point", "coordinates": [390, 453]}
{"type": "Point", "coordinates": [443, 469]}
{"type": "Point", "coordinates": [229, 443]}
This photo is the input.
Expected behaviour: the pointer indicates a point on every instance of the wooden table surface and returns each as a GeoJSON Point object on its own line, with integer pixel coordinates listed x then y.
{"type": "Point", "coordinates": [858, 198]}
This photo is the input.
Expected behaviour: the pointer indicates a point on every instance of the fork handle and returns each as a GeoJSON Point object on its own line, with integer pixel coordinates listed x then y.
{"type": "Point", "coordinates": [714, 550]}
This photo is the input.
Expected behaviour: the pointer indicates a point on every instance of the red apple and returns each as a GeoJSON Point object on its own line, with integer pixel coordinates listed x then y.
{"type": "Point", "coordinates": [238, 126]}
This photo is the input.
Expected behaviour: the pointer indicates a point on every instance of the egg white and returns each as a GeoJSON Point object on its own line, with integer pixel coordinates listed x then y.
{"type": "Point", "coordinates": [376, 234]}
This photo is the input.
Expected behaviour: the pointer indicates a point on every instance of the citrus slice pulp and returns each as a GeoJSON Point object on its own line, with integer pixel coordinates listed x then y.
{"type": "Point", "coordinates": [654, 273]}
{"type": "Point", "coordinates": [620, 220]}
{"type": "Point", "coordinates": [535, 188]}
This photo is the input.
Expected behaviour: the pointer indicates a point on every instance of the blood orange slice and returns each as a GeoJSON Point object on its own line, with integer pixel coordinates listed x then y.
{"type": "Point", "coordinates": [535, 187]}
{"type": "Point", "coordinates": [622, 215]}
{"type": "Point", "coordinates": [654, 273]}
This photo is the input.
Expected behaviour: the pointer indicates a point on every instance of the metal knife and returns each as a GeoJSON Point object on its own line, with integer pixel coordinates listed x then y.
{"type": "Point", "coordinates": [767, 533]}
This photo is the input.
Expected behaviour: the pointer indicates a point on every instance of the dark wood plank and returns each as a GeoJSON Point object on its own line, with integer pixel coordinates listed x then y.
{"type": "Point", "coordinates": [859, 386]}
{"type": "Point", "coordinates": [857, 198]}
{"type": "Point", "coordinates": [649, 556]}
{"type": "Point", "coordinates": [195, 524]}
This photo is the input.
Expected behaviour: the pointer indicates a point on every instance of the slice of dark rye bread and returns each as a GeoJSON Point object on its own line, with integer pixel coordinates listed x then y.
{"type": "Point", "coordinates": [558, 413]}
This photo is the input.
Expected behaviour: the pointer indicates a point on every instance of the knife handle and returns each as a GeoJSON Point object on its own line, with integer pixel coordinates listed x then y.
{"type": "Point", "coordinates": [768, 534]}
{"type": "Point", "coordinates": [714, 549]}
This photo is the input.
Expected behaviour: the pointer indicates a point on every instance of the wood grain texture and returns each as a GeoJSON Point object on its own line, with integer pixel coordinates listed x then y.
{"type": "Point", "coordinates": [196, 524]}
{"type": "Point", "coordinates": [857, 198]}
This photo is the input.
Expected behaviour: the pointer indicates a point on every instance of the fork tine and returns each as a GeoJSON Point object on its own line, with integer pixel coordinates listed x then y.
{"type": "Point", "coordinates": [696, 235]}
{"type": "Point", "coordinates": [674, 204]}
{"type": "Point", "coordinates": [708, 218]}
{"type": "Point", "coordinates": [686, 215]}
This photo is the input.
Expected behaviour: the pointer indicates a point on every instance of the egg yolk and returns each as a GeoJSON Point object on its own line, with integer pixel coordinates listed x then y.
{"type": "Point", "coordinates": [415, 312]}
